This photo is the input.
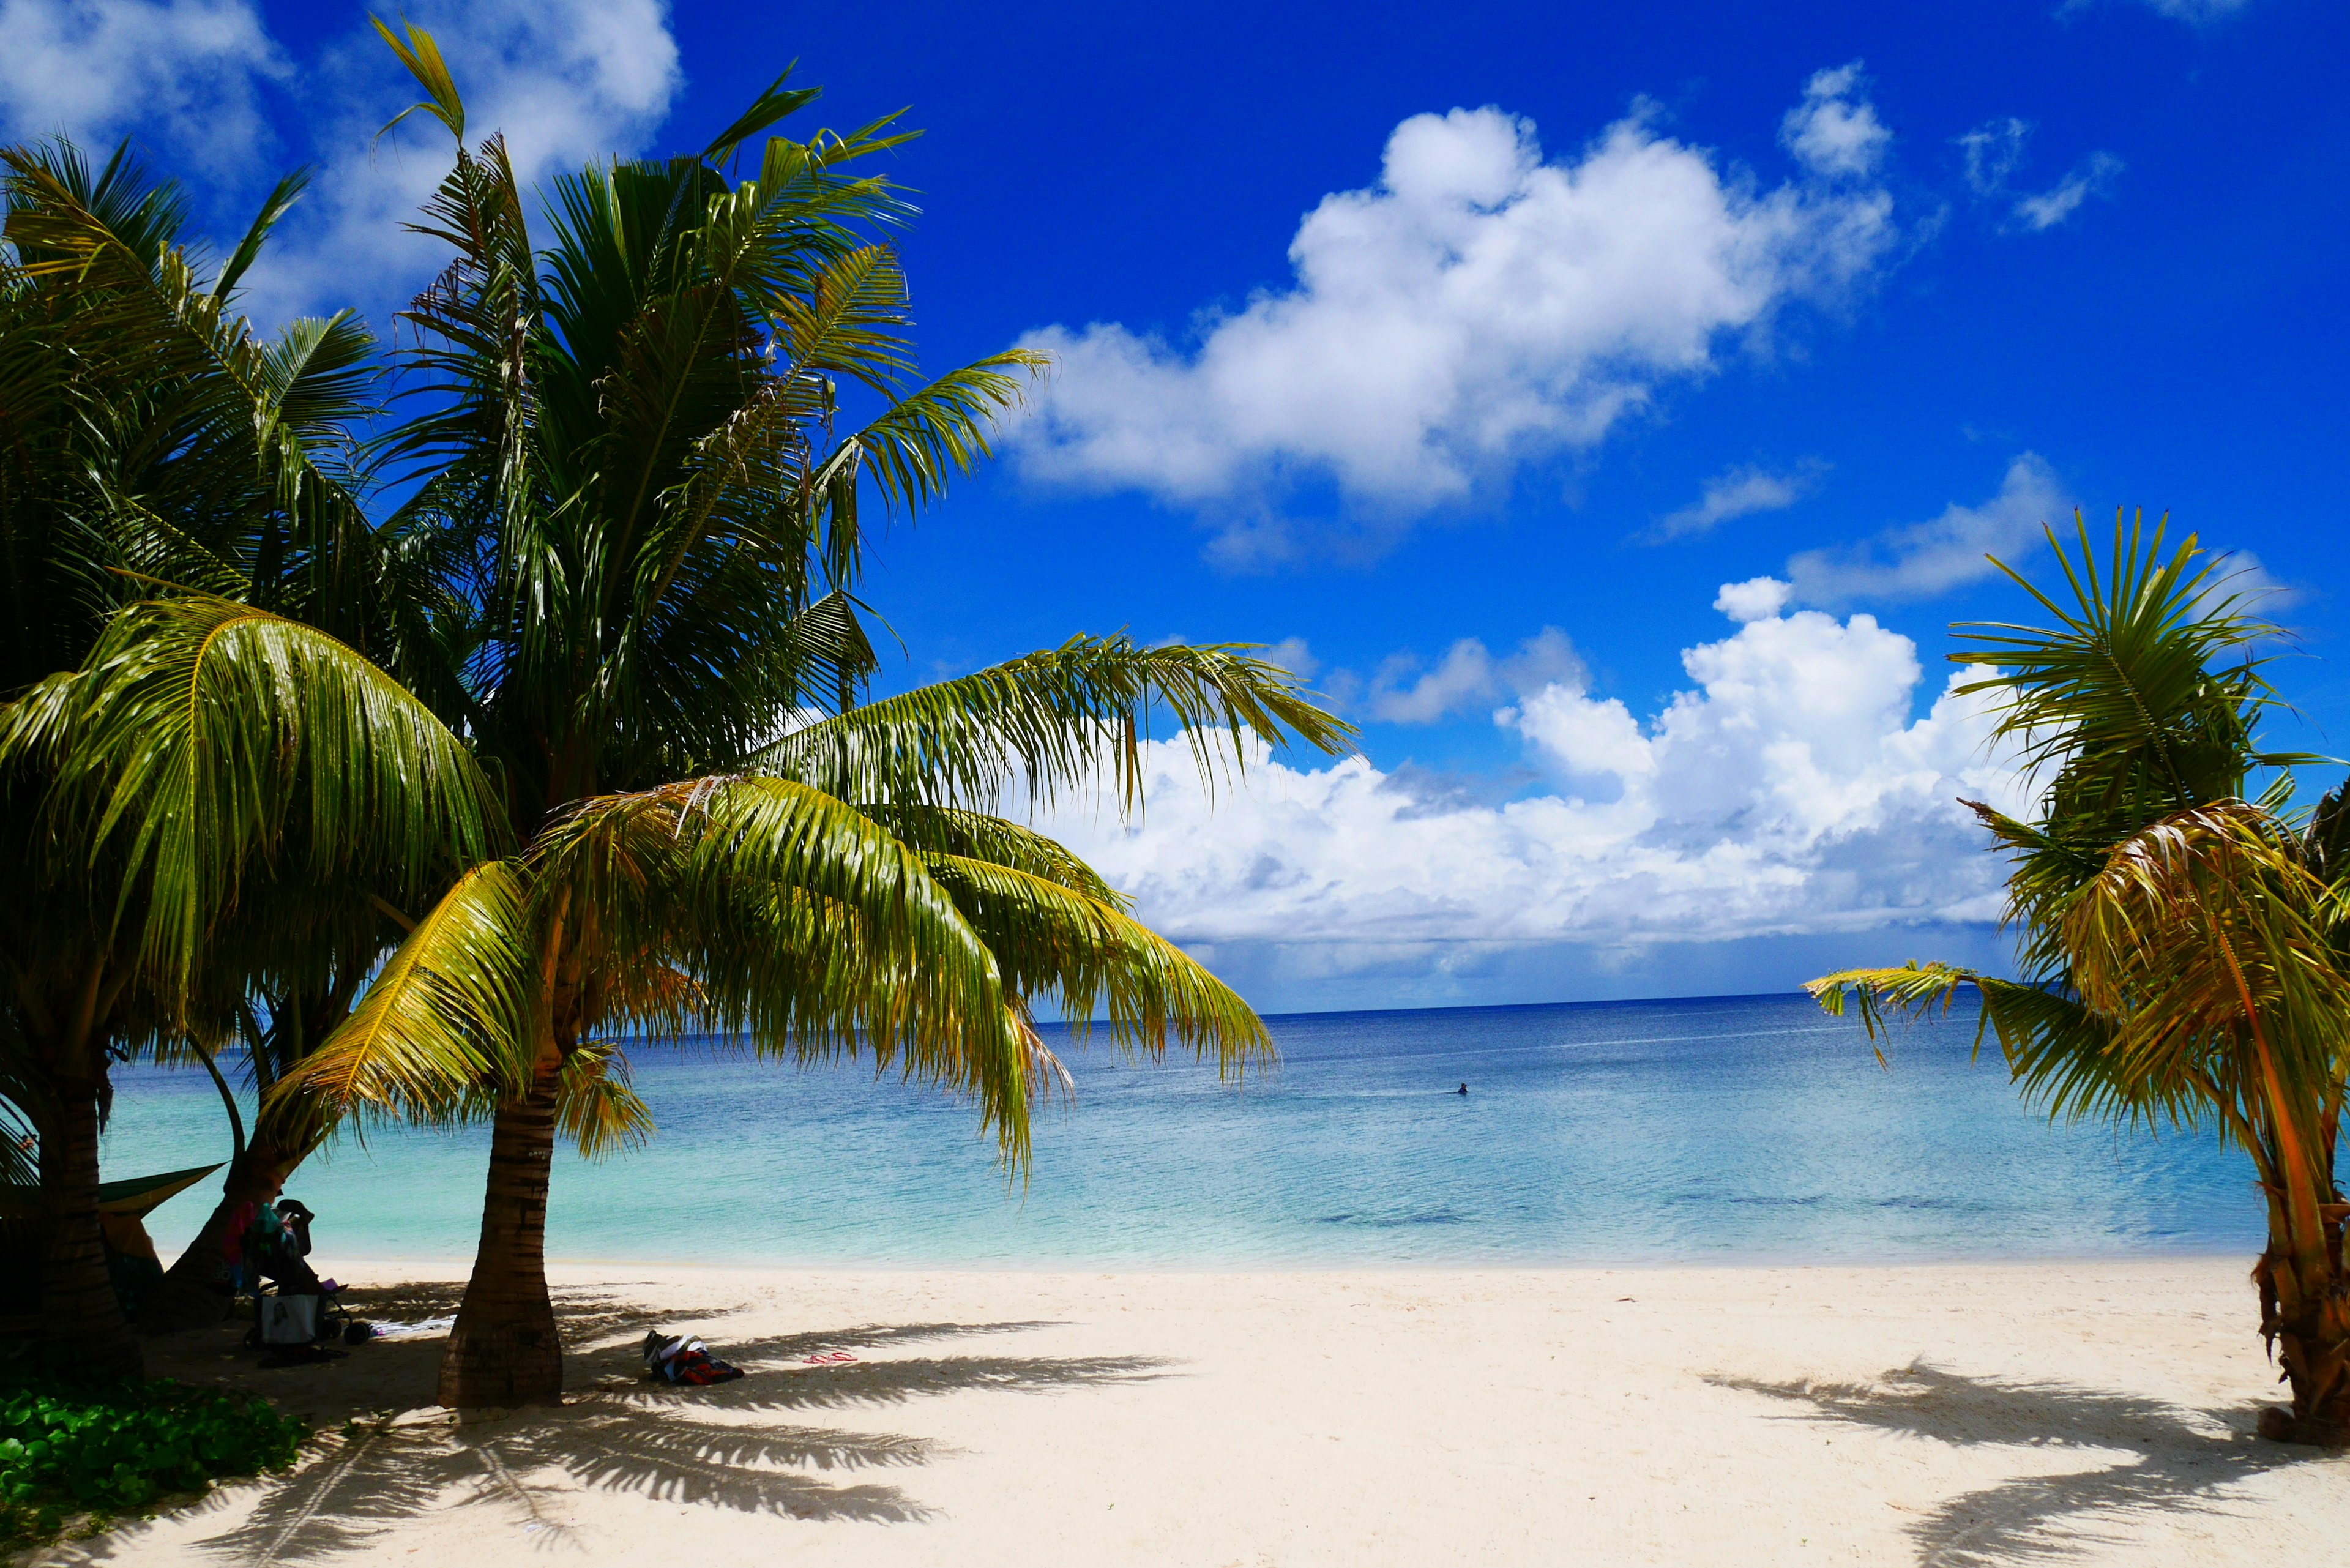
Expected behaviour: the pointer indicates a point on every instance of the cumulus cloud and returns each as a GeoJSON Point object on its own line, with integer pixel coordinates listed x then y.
{"type": "Point", "coordinates": [1756, 598]}
{"type": "Point", "coordinates": [1468, 677]}
{"type": "Point", "coordinates": [1737, 492]}
{"type": "Point", "coordinates": [1995, 149]}
{"type": "Point", "coordinates": [1479, 306]}
{"type": "Point", "coordinates": [1789, 791]}
{"type": "Point", "coordinates": [1834, 130]}
{"type": "Point", "coordinates": [1922, 559]}
{"type": "Point", "coordinates": [189, 69]}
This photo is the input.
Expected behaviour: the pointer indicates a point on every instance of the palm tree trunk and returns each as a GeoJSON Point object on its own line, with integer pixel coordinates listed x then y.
{"type": "Point", "coordinates": [2305, 1315]}
{"type": "Point", "coordinates": [504, 1349]}
{"type": "Point", "coordinates": [77, 1293]}
{"type": "Point", "coordinates": [189, 1297]}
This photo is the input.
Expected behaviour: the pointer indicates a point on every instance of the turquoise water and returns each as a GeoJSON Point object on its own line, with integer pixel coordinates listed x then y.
{"type": "Point", "coordinates": [1722, 1129]}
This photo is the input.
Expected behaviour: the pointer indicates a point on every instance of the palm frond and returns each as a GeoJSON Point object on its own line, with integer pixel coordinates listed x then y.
{"type": "Point", "coordinates": [1095, 960]}
{"type": "Point", "coordinates": [201, 728]}
{"type": "Point", "coordinates": [1053, 722]}
{"type": "Point", "coordinates": [449, 1026]}
{"type": "Point", "coordinates": [596, 1106]}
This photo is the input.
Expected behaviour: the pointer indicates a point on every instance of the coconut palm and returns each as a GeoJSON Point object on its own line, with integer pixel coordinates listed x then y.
{"type": "Point", "coordinates": [2184, 954]}
{"type": "Point", "coordinates": [648, 639]}
{"type": "Point", "coordinates": [145, 431]}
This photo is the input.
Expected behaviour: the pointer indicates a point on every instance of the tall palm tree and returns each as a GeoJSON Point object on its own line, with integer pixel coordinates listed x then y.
{"type": "Point", "coordinates": [2185, 955]}
{"type": "Point", "coordinates": [145, 431]}
{"type": "Point", "coordinates": [649, 640]}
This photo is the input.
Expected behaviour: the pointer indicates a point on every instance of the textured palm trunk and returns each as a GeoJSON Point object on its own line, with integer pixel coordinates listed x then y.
{"type": "Point", "coordinates": [504, 1349]}
{"type": "Point", "coordinates": [2305, 1315]}
{"type": "Point", "coordinates": [77, 1293]}
{"type": "Point", "coordinates": [189, 1297]}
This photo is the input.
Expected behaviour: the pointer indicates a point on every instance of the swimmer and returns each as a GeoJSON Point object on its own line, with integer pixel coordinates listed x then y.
{"type": "Point", "coordinates": [1461, 1090]}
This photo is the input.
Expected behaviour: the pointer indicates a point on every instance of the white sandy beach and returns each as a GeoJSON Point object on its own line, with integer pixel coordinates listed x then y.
{"type": "Point", "coordinates": [2092, 1412]}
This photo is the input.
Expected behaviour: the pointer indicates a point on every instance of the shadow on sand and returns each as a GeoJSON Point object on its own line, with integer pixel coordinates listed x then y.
{"type": "Point", "coordinates": [721, 1447]}
{"type": "Point", "coordinates": [2142, 1458]}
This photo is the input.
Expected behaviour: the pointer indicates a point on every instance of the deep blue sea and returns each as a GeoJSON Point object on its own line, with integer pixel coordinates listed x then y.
{"type": "Point", "coordinates": [1726, 1129]}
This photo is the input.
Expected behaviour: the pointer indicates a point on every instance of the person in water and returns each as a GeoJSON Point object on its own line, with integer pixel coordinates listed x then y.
{"type": "Point", "coordinates": [1463, 1089]}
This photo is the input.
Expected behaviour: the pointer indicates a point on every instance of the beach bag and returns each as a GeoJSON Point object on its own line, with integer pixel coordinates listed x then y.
{"type": "Point", "coordinates": [286, 1320]}
{"type": "Point", "coordinates": [684, 1359]}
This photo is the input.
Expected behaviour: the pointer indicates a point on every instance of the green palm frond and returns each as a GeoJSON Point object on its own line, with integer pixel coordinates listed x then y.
{"type": "Point", "coordinates": [931, 435]}
{"type": "Point", "coordinates": [804, 925]}
{"type": "Point", "coordinates": [449, 1026]}
{"type": "Point", "coordinates": [1099, 962]}
{"type": "Point", "coordinates": [274, 206]}
{"type": "Point", "coordinates": [2122, 694]}
{"type": "Point", "coordinates": [775, 104]}
{"type": "Point", "coordinates": [1053, 722]}
{"type": "Point", "coordinates": [976, 836]}
{"type": "Point", "coordinates": [2057, 1050]}
{"type": "Point", "coordinates": [202, 729]}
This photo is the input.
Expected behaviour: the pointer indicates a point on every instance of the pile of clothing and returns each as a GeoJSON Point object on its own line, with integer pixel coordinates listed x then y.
{"type": "Point", "coordinates": [682, 1358]}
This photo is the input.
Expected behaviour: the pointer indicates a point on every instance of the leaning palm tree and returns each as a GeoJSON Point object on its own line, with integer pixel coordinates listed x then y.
{"type": "Point", "coordinates": [2184, 952]}
{"type": "Point", "coordinates": [649, 642]}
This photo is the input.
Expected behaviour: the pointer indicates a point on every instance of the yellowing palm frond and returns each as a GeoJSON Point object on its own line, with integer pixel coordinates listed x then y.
{"type": "Point", "coordinates": [450, 1027]}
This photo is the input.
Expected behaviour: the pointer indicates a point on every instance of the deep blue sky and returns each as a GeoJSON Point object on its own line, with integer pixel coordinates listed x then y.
{"type": "Point", "coordinates": [2175, 342]}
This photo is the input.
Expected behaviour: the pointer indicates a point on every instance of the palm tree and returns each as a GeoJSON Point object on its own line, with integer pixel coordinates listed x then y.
{"type": "Point", "coordinates": [144, 431]}
{"type": "Point", "coordinates": [646, 637]}
{"type": "Point", "coordinates": [2184, 952]}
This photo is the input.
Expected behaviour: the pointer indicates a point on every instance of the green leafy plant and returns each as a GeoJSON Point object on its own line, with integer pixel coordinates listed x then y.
{"type": "Point", "coordinates": [112, 1446]}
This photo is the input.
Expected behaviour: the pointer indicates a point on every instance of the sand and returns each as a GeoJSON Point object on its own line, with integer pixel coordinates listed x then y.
{"type": "Point", "coordinates": [2090, 1412]}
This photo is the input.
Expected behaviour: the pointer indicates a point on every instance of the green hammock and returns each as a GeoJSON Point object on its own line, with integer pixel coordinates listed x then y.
{"type": "Point", "coordinates": [140, 1196]}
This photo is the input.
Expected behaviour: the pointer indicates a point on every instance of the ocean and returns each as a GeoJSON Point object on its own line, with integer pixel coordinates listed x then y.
{"type": "Point", "coordinates": [1736, 1130]}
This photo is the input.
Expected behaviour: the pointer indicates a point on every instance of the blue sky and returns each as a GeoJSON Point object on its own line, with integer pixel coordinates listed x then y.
{"type": "Point", "coordinates": [1469, 363]}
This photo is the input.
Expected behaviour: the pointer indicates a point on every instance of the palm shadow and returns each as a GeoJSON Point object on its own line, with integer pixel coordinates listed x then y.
{"type": "Point", "coordinates": [717, 1447]}
{"type": "Point", "coordinates": [2179, 1458]}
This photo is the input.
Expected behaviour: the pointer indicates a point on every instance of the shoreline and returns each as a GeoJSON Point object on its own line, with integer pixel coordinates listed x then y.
{"type": "Point", "coordinates": [447, 1267]}
{"type": "Point", "coordinates": [1898, 1413]}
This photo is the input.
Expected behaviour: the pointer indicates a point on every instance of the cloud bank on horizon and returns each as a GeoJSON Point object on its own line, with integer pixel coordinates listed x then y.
{"type": "Point", "coordinates": [1789, 791]}
{"type": "Point", "coordinates": [1480, 307]}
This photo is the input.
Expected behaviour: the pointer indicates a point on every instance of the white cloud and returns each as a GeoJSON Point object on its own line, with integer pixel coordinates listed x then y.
{"type": "Point", "coordinates": [1467, 677]}
{"type": "Point", "coordinates": [1834, 130]}
{"type": "Point", "coordinates": [1292, 654]}
{"type": "Point", "coordinates": [189, 70]}
{"type": "Point", "coordinates": [1479, 307]}
{"type": "Point", "coordinates": [1756, 598]}
{"type": "Point", "coordinates": [1994, 151]}
{"type": "Point", "coordinates": [1922, 559]}
{"type": "Point", "coordinates": [2093, 176]}
{"type": "Point", "coordinates": [1737, 492]}
{"type": "Point", "coordinates": [1789, 791]}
